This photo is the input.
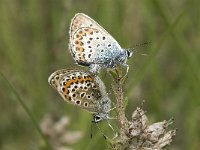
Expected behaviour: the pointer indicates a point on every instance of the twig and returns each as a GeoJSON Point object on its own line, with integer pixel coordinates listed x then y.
{"type": "Point", "coordinates": [123, 121]}
{"type": "Point", "coordinates": [137, 134]}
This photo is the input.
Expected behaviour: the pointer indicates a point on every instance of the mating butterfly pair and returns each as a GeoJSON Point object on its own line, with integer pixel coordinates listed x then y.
{"type": "Point", "coordinates": [90, 45]}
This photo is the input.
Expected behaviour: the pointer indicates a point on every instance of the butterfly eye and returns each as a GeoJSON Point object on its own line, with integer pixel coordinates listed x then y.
{"type": "Point", "coordinates": [129, 53]}
{"type": "Point", "coordinates": [97, 118]}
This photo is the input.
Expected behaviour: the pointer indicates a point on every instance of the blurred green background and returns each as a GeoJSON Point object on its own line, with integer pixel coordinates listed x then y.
{"type": "Point", "coordinates": [34, 43]}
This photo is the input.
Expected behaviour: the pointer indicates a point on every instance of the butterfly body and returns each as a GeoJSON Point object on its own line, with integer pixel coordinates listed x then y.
{"type": "Point", "coordinates": [91, 45]}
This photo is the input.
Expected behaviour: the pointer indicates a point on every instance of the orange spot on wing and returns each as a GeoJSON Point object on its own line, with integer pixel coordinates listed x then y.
{"type": "Point", "coordinates": [68, 84]}
{"type": "Point", "coordinates": [81, 49]}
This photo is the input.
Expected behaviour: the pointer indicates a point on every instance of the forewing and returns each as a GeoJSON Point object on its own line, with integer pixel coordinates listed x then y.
{"type": "Point", "coordinates": [88, 39]}
{"type": "Point", "coordinates": [81, 20]}
{"type": "Point", "coordinates": [91, 46]}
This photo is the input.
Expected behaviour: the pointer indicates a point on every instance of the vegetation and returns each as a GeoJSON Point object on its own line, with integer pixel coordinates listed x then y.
{"type": "Point", "coordinates": [34, 43]}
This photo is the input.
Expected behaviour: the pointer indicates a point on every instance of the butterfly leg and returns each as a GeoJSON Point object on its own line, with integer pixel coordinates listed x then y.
{"type": "Point", "coordinates": [105, 136]}
{"type": "Point", "coordinates": [115, 133]}
{"type": "Point", "coordinates": [111, 109]}
{"type": "Point", "coordinates": [127, 69]}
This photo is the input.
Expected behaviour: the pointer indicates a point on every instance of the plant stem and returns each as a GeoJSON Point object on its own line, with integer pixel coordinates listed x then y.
{"type": "Point", "coordinates": [123, 122]}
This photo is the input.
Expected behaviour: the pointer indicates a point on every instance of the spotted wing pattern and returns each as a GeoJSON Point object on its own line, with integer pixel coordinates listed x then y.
{"type": "Point", "coordinates": [90, 43]}
{"type": "Point", "coordinates": [81, 20]}
{"type": "Point", "coordinates": [78, 88]}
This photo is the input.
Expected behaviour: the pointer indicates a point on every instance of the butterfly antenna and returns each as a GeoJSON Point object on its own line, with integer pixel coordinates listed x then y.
{"type": "Point", "coordinates": [127, 69]}
{"type": "Point", "coordinates": [143, 44]}
{"type": "Point", "coordinates": [112, 108]}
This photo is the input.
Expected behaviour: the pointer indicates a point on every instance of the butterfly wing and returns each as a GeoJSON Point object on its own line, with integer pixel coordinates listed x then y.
{"type": "Point", "coordinates": [81, 20]}
{"type": "Point", "coordinates": [78, 88]}
{"type": "Point", "coordinates": [90, 43]}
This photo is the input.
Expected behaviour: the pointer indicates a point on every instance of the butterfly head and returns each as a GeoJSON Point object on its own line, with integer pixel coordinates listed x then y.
{"type": "Point", "coordinates": [124, 55]}
{"type": "Point", "coordinates": [100, 117]}
{"type": "Point", "coordinates": [129, 53]}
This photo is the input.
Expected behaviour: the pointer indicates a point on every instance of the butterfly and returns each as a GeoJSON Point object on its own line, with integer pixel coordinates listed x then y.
{"type": "Point", "coordinates": [91, 45]}
{"type": "Point", "coordinates": [83, 89]}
